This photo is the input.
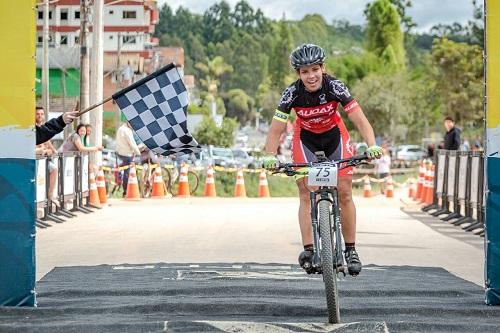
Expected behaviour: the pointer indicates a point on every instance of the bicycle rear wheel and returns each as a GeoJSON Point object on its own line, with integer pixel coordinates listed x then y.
{"type": "Point", "coordinates": [327, 262]}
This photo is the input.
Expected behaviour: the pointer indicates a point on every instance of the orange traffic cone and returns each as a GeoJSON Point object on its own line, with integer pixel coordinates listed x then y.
{"type": "Point", "coordinates": [420, 181]}
{"type": "Point", "coordinates": [94, 194]}
{"type": "Point", "coordinates": [412, 188]}
{"type": "Point", "coordinates": [263, 187]}
{"type": "Point", "coordinates": [425, 187]}
{"type": "Point", "coordinates": [158, 191]}
{"type": "Point", "coordinates": [389, 190]}
{"type": "Point", "coordinates": [367, 188]}
{"type": "Point", "coordinates": [430, 187]}
{"type": "Point", "coordinates": [183, 190]}
{"type": "Point", "coordinates": [239, 188]}
{"type": "Point", "coordinates": [133, 185]}
{"type": "Point", "coordinates": [101, 186]}
{"type": "Point", "coordinates": [210, 183]}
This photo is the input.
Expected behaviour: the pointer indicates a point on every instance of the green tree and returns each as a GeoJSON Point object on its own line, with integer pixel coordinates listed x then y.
{"type": "Point", "coordinates": [458, 73]}
{"type": "Point", "coordinates": [208, 133]}
{"type": "Point", "coordinates": [279, 65]}
{"type": "Point", "coordinates": [384, 35]}
{"type": "Point", "coordinates": [239, 106]}
{"type": "Point", "coordinates": [217, 23]}
{"type": "Point", "coordinates": [212, 70]}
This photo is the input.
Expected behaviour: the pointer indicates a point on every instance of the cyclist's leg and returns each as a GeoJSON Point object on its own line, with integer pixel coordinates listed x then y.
{"type": "Point", "coordinates": [303, 148]}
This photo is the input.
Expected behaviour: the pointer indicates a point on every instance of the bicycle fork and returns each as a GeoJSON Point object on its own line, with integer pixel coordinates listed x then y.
{"type": "Point", "coordinates": [316, 262]}
{"type": "Point", "coordinates": [337, 233]}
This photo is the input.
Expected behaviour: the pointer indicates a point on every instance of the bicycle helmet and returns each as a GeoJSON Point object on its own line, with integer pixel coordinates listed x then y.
{"type": "Point", "coordinates": [307, 54]}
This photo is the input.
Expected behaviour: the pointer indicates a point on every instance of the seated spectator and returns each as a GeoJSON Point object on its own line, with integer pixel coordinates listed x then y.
{"type": "Point", "coordinates": [74, 142]}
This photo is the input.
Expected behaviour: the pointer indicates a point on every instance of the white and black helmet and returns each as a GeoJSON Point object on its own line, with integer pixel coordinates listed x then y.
{"type": "Point", "coordinates": [307, 54]}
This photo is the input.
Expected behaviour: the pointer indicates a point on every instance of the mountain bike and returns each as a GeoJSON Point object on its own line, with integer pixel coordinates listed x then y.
{"type": "Point", "coordinates": [171, 176]}
{"type": "Point", "coordinates": [328, 257]}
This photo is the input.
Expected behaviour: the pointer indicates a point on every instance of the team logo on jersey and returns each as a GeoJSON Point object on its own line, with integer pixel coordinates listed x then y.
{"type": "Point", "coordinates": [339, 88]}
{"type": "Point", "coordinates": [322, 99]}
{"type": "Point", "coordinates": [287, 96]}
{"type": "Point", "coordinates": [306, 113]}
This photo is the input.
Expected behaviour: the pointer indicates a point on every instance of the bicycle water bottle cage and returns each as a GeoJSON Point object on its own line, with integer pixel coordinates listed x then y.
{"type": "Point", "coordinates": [320, 155]}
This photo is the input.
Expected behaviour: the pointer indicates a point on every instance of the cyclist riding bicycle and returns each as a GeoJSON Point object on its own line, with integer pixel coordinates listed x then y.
{"type": "Point", "coordinates": [315, 97]}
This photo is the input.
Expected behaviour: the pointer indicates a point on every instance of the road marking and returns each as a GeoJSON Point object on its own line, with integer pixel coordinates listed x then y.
{"type": "Point", "coordinates": [133, 267]}
{"type": "Point", "coordinates": [250, 327]}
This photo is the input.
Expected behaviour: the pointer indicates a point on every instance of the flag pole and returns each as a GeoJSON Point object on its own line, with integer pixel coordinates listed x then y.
{"type": "Point", "coordinates": [95, 105]}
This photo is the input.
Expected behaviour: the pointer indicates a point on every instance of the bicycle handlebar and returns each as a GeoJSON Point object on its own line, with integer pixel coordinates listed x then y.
{"type": "Point", "coordinates": [288, 168]}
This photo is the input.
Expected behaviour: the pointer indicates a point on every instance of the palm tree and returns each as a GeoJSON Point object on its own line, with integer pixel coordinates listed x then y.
{"type": "Point", "coordinates": [213, 70]}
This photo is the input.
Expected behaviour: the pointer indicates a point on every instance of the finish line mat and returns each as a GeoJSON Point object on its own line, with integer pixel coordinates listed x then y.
{"type": "Point", "coordinates": [249, 298]}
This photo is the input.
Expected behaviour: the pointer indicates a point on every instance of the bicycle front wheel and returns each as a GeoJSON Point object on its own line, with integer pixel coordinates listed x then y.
{"type": "Point", "coordinates": [327, 262]}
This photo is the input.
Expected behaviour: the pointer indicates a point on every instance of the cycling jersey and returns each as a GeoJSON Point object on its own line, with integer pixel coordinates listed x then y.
{"type": "Point", "coordinates": [319, 126]}
{"type": "Point", "coordinates": [316, 111]}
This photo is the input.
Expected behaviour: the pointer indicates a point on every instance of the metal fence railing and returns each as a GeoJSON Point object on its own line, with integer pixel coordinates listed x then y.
{"type": "Point", "coordinates": [459, 189]}
{"type": "Point", "coordinates": [70, 187]}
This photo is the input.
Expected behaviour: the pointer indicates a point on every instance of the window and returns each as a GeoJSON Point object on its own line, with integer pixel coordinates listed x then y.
{"type": "Point", "coordinates": [77, 14]}
{"type": "Point", "coordinates": [64, 15]}
{"type": "Point", "coordinates": [129, 40]}
{"type": "Point", "coordinates": [40, 15]}
{"type": "Point", "coordinates": [64, 40]}
{"type": "Point", "coordinates": [39, 39]}
{"type": "Point", "coordinates": [111, 12]}
{"type": "Point", "coordinates": [77, 39]}
{"type": "Point", "coordinates": [129, 14]}
{"type": "Point", "coordinates": [50, 15]}
{"type": "Point", "coordinates": [111, 37]}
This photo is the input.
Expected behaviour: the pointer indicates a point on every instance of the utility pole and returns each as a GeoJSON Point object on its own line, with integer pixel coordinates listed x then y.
{"type": "Point", "coordinates": [97, 80]}
{"type": "Point", "coordinates": [118, 78]}
{"type": "Point", "coordinates": [84, 61]}
{"type": "Point", "coordinates": [45, 59]}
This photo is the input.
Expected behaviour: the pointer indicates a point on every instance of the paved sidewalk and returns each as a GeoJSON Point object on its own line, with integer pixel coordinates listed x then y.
{"type": "Point", "coordinates": [249, 230]}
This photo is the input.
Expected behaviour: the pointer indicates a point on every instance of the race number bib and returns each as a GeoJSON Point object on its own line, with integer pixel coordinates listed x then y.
{"type": "Point", "coordinates": [323, 176]}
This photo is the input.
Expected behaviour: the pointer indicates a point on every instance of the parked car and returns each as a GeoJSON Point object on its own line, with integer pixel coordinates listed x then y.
{"type": "Point", "coordinates": [243, 159]}
{"type": "Point", "coordinates": [408, 154]}
{"type": "Point", "coordinates": [218, 156]}
{"type": "Point", "coordinates": [109, 158]}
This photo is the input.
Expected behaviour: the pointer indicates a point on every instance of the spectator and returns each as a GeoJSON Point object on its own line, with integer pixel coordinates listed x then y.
{"type": "Point", "coordinates": [75, 141]}
{"type": "Point", "coordinates": [465, 145]}
{"type": "Point", "coordinates": [430, 150]}
{"type": "Point", "coordinates": [86, 137]}
{"type": "Point", "coordinates": [125, 149]}
{"type": "Point", "coordinates": [47, 149]}
{"type": "Point", "coordinates": [452, 136]}
{"type": "Point", "coordinates": [383, 168]}
{"type": "Point", "coordinates": [54, 126]}
{"type": "Point", "coordinates": [477, 144]}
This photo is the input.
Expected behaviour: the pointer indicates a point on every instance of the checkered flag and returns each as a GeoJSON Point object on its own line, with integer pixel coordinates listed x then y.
{"type": "Point", "coordinates": [156, 108]}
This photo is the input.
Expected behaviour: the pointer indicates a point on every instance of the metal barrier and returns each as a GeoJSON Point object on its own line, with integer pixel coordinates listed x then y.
{"type": "Point", "coordinates": [459, 189]}
{"type": "Point", "coordinates": [72, 187]}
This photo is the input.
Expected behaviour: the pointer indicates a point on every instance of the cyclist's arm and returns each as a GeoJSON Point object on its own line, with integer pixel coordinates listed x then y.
{"type": "Point", "coordinates": [363, 126]}
{"type": "Point", "coordinates": [273, 136]}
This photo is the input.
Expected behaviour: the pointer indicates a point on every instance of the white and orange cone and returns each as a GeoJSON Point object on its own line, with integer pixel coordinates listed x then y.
{"type": "Point", "coordinates": [412, 190]}
{"type": "Point", "coordinates": [158, 190]}
{"type": "Point", "coordinates": [367, 188]}
{"type": "Point", "coordinates": [420, 181]}
{"type": "Point", "coordinates": [101, 186]}
{"type": "Point", "coordinates": [239, 188]}
{"type": "Point", "coordinates": [263, 186]}
{"type": "Point", "coordinates": [430, 187]}
{"type": "Point", "coordinates": [210, 183]}
{"type": "Point", "coordinates": [183, 190]}
{"type": "Point", "coordinates": [133, 185]}
{"type": "Point", "coordinates": [389, 190]}
{"type": "Point", "coordinates": [93, 193]}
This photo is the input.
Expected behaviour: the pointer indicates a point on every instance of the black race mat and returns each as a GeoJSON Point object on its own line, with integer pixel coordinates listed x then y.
{"type": "Point", "coordinates": [249, 298]}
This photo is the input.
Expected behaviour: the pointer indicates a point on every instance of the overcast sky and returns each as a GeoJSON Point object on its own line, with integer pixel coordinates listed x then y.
{"type": "Point", "coordinates": [425, 13]}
